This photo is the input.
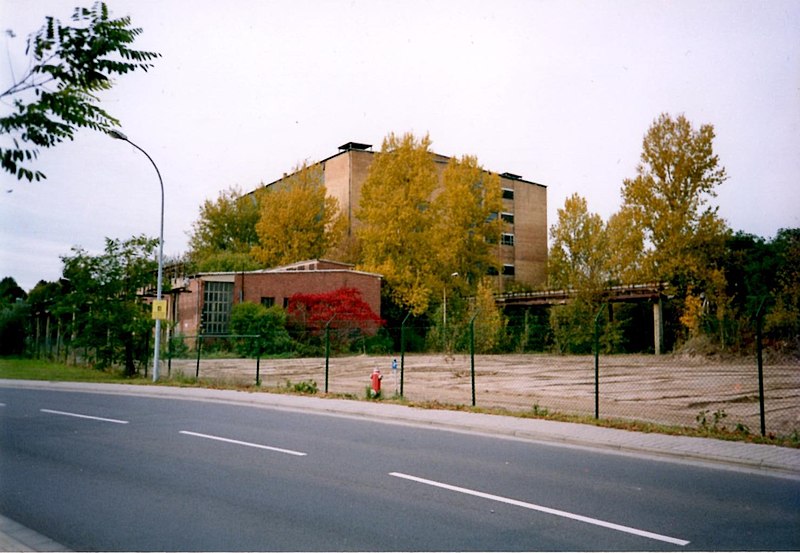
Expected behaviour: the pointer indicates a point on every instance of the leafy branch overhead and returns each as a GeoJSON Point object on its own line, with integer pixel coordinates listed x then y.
{"type": "Point", "coordinates": [69, 65]}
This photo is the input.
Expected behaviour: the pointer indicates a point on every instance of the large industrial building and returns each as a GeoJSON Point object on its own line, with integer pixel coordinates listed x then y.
{"type": "Point", "coordinates": [523, 246]}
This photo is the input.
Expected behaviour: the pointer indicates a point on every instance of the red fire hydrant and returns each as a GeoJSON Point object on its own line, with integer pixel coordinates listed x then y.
{"type": "Point", "coordinates": [375, 378]}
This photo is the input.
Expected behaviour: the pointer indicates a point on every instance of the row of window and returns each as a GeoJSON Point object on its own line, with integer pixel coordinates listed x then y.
{"type": "Point", "coordinates": [270, 301]}
{"type": "Point", "coordinates": [508, 270]}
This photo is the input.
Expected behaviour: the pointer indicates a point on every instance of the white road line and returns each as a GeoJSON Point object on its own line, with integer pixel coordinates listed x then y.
{"type": "Point", "coordinates": [247, 444]}
{"type": "Point", "coordinates": [116, 421]}
{"type": "Point", "coordinates": [565, 514]}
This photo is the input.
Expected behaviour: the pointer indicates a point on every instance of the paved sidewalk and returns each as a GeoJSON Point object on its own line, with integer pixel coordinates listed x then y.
{"type": "Point", "coordinates": [766, 459]}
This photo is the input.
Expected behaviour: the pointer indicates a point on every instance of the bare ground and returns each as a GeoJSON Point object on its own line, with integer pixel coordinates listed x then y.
{"type": "Point", "coordinates": [669, 389]}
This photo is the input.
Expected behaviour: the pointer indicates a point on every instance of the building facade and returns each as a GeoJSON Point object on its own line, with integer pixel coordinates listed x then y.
{"type": "Point", "coordinates": [203, 304]}
{"type": "Point", "coordinates": [523, 248]}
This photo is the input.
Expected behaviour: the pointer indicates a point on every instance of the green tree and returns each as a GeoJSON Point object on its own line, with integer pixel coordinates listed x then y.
{"type": "Point", "coordinates": [783, 320]}
{"type": "Point", "coordinates": [297, 220]}
{"type": "Point", "coordinates": [224, 235]}
{"type": "Point", "coordinates": [57, 94]}
{"type": "Point", "coordinates": [396, 222]}
{"type": "Point", "coordinates": [13, 317]}
{"type": "Point", "coordinates": [110, 316]}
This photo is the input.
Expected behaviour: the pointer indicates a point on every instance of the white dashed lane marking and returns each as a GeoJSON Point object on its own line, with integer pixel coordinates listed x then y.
{"type": "Point", "coordinates": [533, 507]}
{"type": "Point", "coordinates": [79, 416]}
{"type": "Point", "coordinates": [246, 444]}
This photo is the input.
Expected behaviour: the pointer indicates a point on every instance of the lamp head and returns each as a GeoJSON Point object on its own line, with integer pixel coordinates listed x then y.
{"type": "Point", "coordinates": [119, 135]}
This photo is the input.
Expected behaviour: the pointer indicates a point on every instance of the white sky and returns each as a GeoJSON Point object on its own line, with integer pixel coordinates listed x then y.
{"type": "Point", "coordinates": [559, 92]}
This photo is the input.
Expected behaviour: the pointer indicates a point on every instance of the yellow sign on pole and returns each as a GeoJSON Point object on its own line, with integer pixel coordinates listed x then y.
{"type": "Point", "coordinates": [160, 309]}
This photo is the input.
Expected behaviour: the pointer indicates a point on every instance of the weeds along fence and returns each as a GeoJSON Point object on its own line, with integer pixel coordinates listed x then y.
{"type": "Point", "coordinates": [672, 389]}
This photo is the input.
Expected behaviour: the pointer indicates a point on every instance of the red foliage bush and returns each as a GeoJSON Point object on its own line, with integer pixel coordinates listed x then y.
{"type": "Point", "coordinates": [342, 308]}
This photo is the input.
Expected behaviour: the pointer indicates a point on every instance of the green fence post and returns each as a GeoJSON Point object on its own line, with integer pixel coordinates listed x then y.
{"type": "Point", "coordinates": [472, 353]}
{"type": "Point", "coordinates": [597, 364]}
{"type": "Point", "coordinates": [327, 349]}
{"type": "Point", "coordinates": [169, 356]}
{"type": "Point", "coordinates": [760, 362]}
{"type": "Point", "coordinates": [258, 360]}
{"type": "Point", "coordinates": [403, 350]}
{"type": "Point", "coordinates": [199, 345]}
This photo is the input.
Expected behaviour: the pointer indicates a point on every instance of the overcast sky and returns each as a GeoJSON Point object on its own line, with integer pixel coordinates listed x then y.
{"type": "Point", "coordinates": [559, 92]}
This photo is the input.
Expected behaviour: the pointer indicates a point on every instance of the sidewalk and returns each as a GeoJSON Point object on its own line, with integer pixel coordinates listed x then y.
{"type": "Point", "coordinates": [766, 459]}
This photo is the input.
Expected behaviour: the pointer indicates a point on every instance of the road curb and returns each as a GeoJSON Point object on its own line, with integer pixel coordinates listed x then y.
{"type": "Point", "coordinates": [16, 537]}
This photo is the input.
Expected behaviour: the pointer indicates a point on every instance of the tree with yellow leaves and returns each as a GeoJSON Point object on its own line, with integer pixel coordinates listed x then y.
{"type": "Point", "coordinates": [297, 220]}
{"type": "Point", "coordinates": [224, 233]}
{"type": "Point", "coordinates": [683, 237]}
{"type": "Point", "coordinates": [396, 222]}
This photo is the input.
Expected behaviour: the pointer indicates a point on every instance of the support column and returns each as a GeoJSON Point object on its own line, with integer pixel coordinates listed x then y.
{"type": "Point", "coordinates": [658, 327]}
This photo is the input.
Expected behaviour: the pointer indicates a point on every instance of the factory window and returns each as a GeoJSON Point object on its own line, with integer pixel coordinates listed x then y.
{"type": "Point", "coordinates": [217, 302]}
{"type": "Point", "coordinates": [507, 239]}
{"type": "Point", "coordinates": [508, 193]}
{"type": "Point", "coordinates": [507, 217]}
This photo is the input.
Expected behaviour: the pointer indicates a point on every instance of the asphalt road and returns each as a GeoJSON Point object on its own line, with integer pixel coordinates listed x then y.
{"type": "Point", "coordinates": [109, 472]}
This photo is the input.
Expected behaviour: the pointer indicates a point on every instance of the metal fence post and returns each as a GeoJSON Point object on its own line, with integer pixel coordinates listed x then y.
{"type": "Point", "coordinates": [403, 351]}
{"type": "Point", "coordinates": [199, 345]}
{"type": "Point", "coordinates": [472, 353]}
{"type": "Point", "coordinates": [760, 363]}
{"type": "Point", "coordinates": [327, 350]}
{"type": "Point", "coordinates": [597, 363]}
{"type": "Point", "coordinates": [259, 346]}
{"type": "Point", "coordinates": [169, 356]}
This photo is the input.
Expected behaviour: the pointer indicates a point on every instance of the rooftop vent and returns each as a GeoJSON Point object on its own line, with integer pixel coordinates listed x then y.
{"type": "Point", "coordinates": [511, 176]}
{"type": "Point", "coordinates": [355, 146]}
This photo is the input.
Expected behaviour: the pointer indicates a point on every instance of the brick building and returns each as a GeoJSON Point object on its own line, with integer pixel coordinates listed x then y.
{"type": "Point", "coordinates": [209, 297]}
{"type": "Point", "coordinates": [523, 247]}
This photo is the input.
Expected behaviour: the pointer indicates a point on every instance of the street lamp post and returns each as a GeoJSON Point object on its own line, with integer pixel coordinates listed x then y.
{"type": "Point", "coordinates": [120, 136]}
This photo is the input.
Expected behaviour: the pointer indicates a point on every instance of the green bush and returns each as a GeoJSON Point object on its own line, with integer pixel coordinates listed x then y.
{"type": "Point", "coordinates": [249, 318]}
{"type": "Point", "coordinates": [13, 319]}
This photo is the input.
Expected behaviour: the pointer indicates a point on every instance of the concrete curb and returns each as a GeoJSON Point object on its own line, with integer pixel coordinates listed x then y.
{"type": "Point", "coordinates": [16, 537]}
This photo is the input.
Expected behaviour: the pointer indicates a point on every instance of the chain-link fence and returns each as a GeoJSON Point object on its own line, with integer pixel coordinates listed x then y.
{"type": "Point", "coordinates": [671, 389]}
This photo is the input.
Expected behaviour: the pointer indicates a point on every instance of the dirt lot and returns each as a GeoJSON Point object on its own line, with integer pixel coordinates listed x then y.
{"type": "Point", "coordinates": [667, 389]}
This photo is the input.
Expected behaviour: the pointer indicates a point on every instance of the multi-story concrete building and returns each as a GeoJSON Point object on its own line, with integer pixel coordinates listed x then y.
{"type": "Point", "coordinates": [523, 248]}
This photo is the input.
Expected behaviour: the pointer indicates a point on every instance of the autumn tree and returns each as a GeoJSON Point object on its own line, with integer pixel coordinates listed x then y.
{"type": "Point", "coordinates": [297, 221]}
{"type": "Point", "coordinates": [224, 235]}
{"type": "Point", "coordinates": [490, 322]}
{"type": "Point", "coordinates": [57, 94]}
{"type": "Point", "coordinates": [579, 255]}
{"type": "Point", "coordinates": [668, 202]}
{"type": "Point", "coordinates": [580, 260]}
{"type": "Point", "coordinates": [466, 228]}
{"type": "Point", "coordinates": [396, 220]}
